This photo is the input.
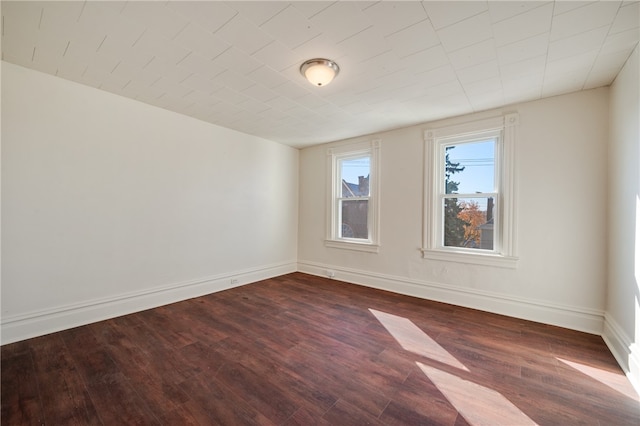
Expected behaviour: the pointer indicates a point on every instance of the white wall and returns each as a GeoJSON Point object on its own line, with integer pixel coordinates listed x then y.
{"type": "Point", "coordinates": [561, 274]}
{"type": "Point", "coordinates": [622, 327]}
{"type": "Point", "coordinates": [111, 206]}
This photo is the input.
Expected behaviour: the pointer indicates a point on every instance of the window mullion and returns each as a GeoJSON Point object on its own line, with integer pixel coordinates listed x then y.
{"type": "Point", "coordinates": [352, 198]}
{"type": "Point", "coordinates": [473, 195]}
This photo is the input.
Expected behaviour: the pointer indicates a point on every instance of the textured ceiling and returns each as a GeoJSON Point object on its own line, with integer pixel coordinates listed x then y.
{"type": "Point", "coordinates": [236, 63]}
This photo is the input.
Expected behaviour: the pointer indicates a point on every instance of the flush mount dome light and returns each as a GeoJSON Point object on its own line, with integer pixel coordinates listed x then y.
{"type": "Point", "coordinates": [319, 71]}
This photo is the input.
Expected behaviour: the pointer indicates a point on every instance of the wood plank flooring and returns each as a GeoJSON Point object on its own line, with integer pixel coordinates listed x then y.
{"type": "Point", "coordinates": [303, 350]}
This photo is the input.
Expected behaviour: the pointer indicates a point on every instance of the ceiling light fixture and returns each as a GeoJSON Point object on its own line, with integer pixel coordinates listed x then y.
{"type": "Point", "coordinates": [319, 71]}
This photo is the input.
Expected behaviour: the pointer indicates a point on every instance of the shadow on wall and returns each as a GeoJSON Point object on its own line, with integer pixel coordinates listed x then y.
{"type": "Point", "coordinates": [636, 284]}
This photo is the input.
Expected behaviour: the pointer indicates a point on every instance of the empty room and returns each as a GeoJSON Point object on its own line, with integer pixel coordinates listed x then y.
{"type": "Point", "coordinates": [320, 212]}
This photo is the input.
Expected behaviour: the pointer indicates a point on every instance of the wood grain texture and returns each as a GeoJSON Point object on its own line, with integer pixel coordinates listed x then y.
{"type": "Point", "coordinates": [304, 350]}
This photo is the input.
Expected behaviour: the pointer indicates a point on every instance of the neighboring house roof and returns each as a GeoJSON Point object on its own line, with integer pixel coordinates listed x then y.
{"type": "Point", "coordinates": [356, 189]}
{"type": "Point", "coordinates": [487, 225]}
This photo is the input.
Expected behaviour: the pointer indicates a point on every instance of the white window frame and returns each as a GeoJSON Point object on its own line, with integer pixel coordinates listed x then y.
{"type": "Point", "coordinates": [334, 155]}
{"type": "Point", "coordinates": [504, 252]}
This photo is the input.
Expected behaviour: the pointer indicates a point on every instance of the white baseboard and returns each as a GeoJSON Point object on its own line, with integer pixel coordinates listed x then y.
{"type": "Point", "coordinates": [33, 324]}
{"type": "Point", "coordinates": [575, 318]}
{"type": "Point", "coordinates": [625, 352]}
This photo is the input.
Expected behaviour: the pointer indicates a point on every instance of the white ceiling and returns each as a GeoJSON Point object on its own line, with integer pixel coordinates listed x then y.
{"type": "Point", "coordinates": [236, 63]}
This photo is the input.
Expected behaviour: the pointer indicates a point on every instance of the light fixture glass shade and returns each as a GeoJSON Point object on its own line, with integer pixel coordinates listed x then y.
{"type": "Point", "coordinates": [319, 72]}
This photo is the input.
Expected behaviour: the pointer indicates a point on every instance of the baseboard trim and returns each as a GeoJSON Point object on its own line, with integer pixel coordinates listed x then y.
{"type": "Point", "coordinates": [38, 323]}
{"type": "Point", "coordinates": [33, 324]}
{"type": "Point", "coordinates": [624, 351]}
{"type": "Point", "coordinates": [575, 318]}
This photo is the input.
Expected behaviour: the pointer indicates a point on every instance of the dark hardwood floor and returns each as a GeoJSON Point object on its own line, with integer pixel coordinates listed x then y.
{"type": "Point", "coordinates": [303, 350]}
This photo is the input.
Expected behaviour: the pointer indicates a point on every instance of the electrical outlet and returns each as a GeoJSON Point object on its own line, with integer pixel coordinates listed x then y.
{"type": "Point", "coordinates": [234, 281]}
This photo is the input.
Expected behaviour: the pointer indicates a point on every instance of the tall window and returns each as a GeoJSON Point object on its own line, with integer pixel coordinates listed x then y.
{"type": "Point", "coordinates": [353, 207]}
{"type": "Point", "coordinates": [469, 204]}
{"type": "Point", "coordinates": [353, 196]}
{"type": "Point", "coordinates": [468, 192]}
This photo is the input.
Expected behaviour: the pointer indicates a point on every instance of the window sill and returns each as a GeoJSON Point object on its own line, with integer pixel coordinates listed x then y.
{"type": "Point", "coordinates": [499, 261]}
{"type": "Point", "coordinates": [348, 245]}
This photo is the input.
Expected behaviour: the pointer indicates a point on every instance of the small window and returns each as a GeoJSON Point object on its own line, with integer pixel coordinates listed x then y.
{"type": "Point", "coordinates": [469, 200]}
{"type": "Point", "coordinates": [353, 215]}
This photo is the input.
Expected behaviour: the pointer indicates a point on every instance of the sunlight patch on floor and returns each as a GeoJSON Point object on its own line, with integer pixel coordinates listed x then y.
{"type": "Point", "coordinates": [477, 404]}
{"type": "Point", "coordinates": [414, 340]}
{"type": "Point", "coordinates": [617, 382]}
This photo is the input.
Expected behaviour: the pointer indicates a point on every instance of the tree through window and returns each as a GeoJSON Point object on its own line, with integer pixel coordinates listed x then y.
{"type": "Point", "coordinates": [469, 199]}
{"type": "Point", "coordinates": [469, 193]}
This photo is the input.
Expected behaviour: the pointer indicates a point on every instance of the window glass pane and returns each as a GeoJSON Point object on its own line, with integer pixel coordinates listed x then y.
{"type": "Point", "coordinates": [354, 219]}
{"type": "Point", "coordinates": [469, 167]}
{"type": "Point", "coordinates": [355, 176]}
{"type": "Point", "coordinates": [468, 222]}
